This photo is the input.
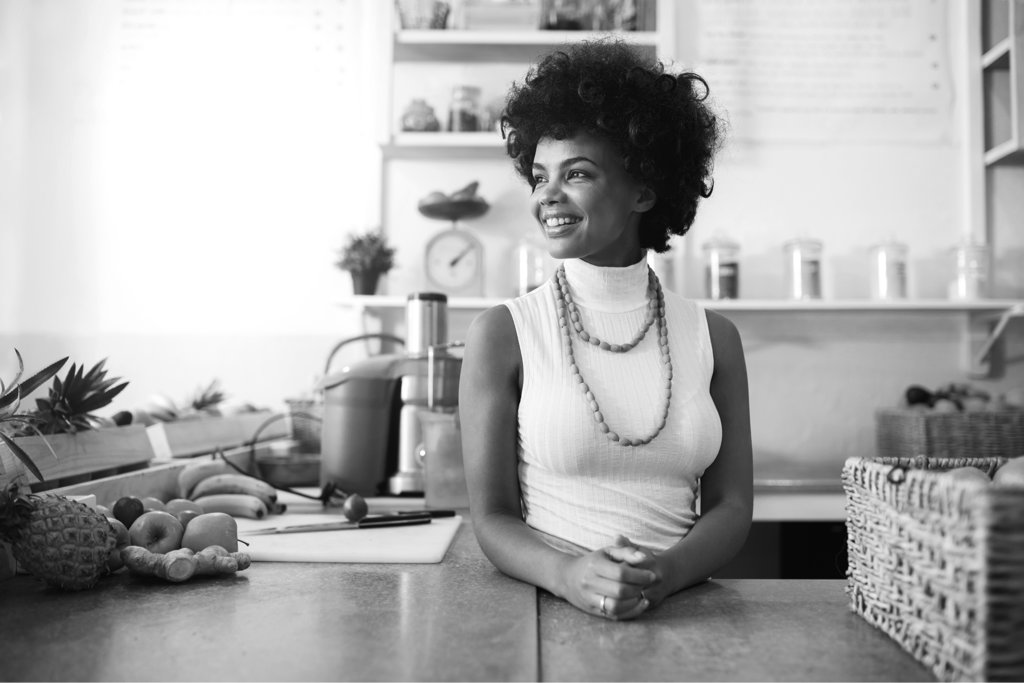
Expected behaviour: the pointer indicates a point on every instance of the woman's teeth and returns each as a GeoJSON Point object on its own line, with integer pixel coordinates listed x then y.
{"type": "Point", "coordinates": [560, 220]}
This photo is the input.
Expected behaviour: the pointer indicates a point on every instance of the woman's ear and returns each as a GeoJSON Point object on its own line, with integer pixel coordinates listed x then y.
{"type": "Point", "coordinates": [646, 199]}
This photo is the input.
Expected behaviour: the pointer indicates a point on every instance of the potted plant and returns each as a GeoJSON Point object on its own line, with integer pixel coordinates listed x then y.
{"type": "Point", "coordinates": [366, 256]}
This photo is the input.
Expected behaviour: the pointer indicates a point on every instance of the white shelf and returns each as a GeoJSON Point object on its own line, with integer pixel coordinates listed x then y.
{"type": "Point", "coordinates": [525, 37]}
{"type": "Point", "coordinates": [999, 51]}
{"type": "Point", "coordinates": [1006, 151]}
{"type": "Point", "coordinates": [408, 145]}
{"type": "Point", "coordinates": [384, 302]}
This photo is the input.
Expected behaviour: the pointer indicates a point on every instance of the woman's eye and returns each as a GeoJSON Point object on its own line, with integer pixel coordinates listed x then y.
{"type": "Point", "coordinates": [538, 179]}
{"type": "Point", "coordinates": [576, 173]}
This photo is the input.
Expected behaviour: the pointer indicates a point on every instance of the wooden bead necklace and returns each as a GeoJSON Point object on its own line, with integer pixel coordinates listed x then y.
{"type": "Point", "coordinates": [569, 316]}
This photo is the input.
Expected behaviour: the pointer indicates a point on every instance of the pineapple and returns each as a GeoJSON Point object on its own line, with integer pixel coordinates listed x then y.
{"type": "Point", "coordinates": [58, 540]}
{"type": "Point", "coordinates": [70, 403]}
{"type": "Point", "coordinates": [206, 400]}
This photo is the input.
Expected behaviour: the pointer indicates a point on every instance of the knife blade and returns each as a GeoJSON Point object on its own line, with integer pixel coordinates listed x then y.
{"type": "Point", "coordinates": [370, 522]}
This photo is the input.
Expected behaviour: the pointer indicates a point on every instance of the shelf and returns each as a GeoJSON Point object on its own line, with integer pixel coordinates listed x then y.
{"type": "Point", "coordinates": [432, 145]}
{"type": "Point", "coordinates": [383, 302]}
{"type": "Point", "coordinates": [998, 57]}
{"type": "Point", "coordinates": [528, 37]}
{"type": "Point", "coordinates": [1009, 151]}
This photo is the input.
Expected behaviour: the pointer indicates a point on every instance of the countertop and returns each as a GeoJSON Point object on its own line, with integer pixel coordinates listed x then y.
{"type": "Point", "coordinates": [457, 620]}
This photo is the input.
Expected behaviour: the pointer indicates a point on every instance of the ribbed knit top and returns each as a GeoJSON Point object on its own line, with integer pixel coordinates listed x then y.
{"type": "Point", "coordinates": [577, 485]}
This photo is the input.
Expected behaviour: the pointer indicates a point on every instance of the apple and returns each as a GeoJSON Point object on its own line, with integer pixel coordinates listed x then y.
{"type": "Point", "coordinates": [152, 503]}
{"type": "Point", "coordinates": [127, 509]}
{"type": "Point", "coordinates": [156, 531]}
{"type": "Point", "coordinates": [211, 528]}
{"type": "Point", "coordinates": [1011, 473]}
{"type": "Point", "coordinates": [114, 561]}
{"type": "Point", "coordinates": [184, 509]}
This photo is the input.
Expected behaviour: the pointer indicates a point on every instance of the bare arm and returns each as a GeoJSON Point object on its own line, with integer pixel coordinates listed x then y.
{"type": "Point", "coordinates": [489, 392]}
{"type": "Point", "coordinates": [726, 496]}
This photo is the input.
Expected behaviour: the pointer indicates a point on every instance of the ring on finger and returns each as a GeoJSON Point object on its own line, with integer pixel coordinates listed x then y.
{"type": "Point", "coordinates": [604, 609]}
{"type": "Point", "coordinates": [643, 596]}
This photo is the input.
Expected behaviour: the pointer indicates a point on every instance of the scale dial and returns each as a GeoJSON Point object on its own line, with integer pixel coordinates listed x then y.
{"type": "Point", "coordinates": [455, 262]}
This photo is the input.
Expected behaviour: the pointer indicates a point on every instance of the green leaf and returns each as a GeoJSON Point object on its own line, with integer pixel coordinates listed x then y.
{"type": "Point", "coordinates": [21, 455]}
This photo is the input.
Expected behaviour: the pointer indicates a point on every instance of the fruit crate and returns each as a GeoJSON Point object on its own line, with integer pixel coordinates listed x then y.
{"type": "Point", "coordinates": [909, 432]}
{"type": "Point", "coordinates": [65, 459]}
{"type": "Point", "coordinates": [192, 437]}
{"type": "Point", "coordinates": [937, 562]}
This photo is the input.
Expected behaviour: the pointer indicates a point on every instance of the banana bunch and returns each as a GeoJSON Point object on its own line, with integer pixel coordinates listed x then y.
{"type": "Point", "coordinates": [217, 487]}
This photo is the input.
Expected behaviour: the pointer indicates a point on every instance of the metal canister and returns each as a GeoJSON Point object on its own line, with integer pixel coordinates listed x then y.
{"type": "Point", "coordinates": [889, 271]}
{"type": "Point", "coordinates": [721, 269]}
{"type": "Point", "coordinates": [426, 322]}
{"type": "Point", "coordinates": [803, 268]}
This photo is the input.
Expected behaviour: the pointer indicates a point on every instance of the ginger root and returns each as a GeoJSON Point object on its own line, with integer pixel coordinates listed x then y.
{"type": "Point", "coordinates": [182, 564]}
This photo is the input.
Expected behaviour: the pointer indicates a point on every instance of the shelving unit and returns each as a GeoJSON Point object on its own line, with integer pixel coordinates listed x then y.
{"type": "Point", "coordinates": [985, 319]}
{"type": "Point", "coordinates": [1002, 80]}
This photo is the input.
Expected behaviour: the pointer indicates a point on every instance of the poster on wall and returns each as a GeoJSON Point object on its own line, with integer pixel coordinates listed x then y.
{"type": "Point", "coordinates": [852, 71]}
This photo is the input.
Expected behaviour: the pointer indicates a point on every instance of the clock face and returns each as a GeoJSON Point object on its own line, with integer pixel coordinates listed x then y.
{"type": "Point", "coordinates": [454, 262]}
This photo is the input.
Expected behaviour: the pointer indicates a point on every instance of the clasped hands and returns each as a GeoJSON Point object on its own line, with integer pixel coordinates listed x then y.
{"type": "Point", "coordinates": [618, 582]}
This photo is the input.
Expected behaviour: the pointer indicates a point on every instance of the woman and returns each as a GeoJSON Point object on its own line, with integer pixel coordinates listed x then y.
{"type": "Point", "coordinates": [595, 407]}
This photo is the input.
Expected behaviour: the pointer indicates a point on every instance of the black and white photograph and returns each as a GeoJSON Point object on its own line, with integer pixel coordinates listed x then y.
{"type": "Point", "coordinates": [511, 340]}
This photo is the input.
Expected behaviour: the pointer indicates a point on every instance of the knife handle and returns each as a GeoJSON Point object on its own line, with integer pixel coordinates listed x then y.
{"type": "Point", "coordinates": [393, 520]}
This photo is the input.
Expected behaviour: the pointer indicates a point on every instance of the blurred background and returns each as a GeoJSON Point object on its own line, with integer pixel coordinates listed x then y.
{"type": "Point", "coordinates": [178, 176]}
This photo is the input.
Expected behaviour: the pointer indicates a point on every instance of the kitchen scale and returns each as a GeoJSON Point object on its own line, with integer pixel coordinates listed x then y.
{"type": "Point", "coordinates": [454, 257]}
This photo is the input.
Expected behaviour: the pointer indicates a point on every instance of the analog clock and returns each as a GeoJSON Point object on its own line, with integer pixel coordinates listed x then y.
{"type": "Point", "coordinates": [455, 262]}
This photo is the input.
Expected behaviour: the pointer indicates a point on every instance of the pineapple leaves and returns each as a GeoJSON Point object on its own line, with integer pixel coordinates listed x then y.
{"type": "Point", "coordinates": [21, 455]}
{"type": "Point", "coordinates": [16, 390]}
{"type": "Point", "coordinates": [70, 402]}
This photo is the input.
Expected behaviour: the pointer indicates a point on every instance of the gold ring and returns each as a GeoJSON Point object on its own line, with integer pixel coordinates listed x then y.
{"type": "Point", "coordinates": [603, 610]}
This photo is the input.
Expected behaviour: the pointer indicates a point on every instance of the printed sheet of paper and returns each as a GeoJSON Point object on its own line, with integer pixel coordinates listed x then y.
{"type": "Point", "coordinates": [820, 70]}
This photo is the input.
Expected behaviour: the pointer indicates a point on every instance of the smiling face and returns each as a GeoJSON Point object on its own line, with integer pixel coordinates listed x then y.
{"type": "Point", "coordinates": [587, 205]}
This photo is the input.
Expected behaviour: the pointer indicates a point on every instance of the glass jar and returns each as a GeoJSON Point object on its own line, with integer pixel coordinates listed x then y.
{"type": "Point", "coordinates": [803, 268]}
{"type": "Point", "coordinates": [972, 264]}
{"type": "Point", "coordinates": [533, 266]}
{"type": "Point", "coordinates": [419, 117]}
{"type": "Point", "coordinates": [721, 269]}
{"type": "Point", "coordinates": [464, 111]}
{"type": "Point", "coordinates": [889, 271]}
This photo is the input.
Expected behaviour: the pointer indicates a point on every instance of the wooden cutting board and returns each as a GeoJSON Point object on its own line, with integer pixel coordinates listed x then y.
{"type": "Point", "coordinates": [416, 544]}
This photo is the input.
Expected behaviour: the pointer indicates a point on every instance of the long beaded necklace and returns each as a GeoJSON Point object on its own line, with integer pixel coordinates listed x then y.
{"type": "Point", "coordinates": [569, 317]}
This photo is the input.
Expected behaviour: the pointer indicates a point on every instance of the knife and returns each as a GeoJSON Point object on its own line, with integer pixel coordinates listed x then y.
{"type": "Point", "coordinates": [365, 523]}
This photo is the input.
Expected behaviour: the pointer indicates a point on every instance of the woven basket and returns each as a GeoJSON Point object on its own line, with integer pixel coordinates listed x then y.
{"type": "Point", "coordinates": [305, 416]}
{"type": "Point", "coordinates": [937, 563]}
{"type": "Point", "coordinates": [905, 433]}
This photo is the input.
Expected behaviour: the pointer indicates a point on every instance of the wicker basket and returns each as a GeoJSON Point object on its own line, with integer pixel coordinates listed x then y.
{"type": "Point", "coordinates": [905, 433]}
{"type": "Point", "coordinates": [937, 563]}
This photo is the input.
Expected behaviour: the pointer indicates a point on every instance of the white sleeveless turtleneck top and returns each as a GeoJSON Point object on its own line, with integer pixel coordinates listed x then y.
{"type": "Point", "coordinates": [577, 485]}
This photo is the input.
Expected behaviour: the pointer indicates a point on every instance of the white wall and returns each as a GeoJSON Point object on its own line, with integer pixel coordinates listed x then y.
{"type": "Point", "coordinates": [196, 275]}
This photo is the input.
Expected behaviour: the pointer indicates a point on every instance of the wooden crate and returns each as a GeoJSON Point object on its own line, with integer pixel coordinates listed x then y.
{"type": "Point", "coordinates": [82, 456]}
{"type": "Point", "coordinates": [191, 437]}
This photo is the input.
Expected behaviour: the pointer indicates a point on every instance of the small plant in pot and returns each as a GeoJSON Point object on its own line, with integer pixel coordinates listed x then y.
{"type": "Point", "coordinates": [366, 256]}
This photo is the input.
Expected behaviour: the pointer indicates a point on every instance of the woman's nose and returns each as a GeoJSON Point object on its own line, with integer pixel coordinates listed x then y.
{"type": "Point", "coordinates": [550, 193]}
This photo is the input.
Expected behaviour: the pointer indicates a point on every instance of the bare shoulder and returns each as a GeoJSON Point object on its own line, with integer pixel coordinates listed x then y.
{"type": "Point", "coordinates": [492, 344]}
{"type": "Point", "coordinates": [725, 338]}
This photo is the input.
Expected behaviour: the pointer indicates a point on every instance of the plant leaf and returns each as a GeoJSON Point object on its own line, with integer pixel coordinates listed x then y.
{"type": "Point", "coordinates": [35, 381]}
{"type": "Point", "coordinates": [21, 455]}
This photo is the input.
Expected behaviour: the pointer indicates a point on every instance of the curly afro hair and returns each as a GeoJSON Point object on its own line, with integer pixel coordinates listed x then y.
{"type": "Point", "coordinates": [659, 122]}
